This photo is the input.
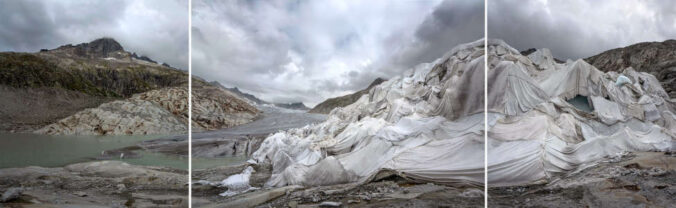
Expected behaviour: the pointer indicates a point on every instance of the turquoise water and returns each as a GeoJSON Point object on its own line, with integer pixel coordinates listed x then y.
{"type": "Point", "coordinates": [204, 163]}
{"type": "Point", "coordinates": [21, 150]}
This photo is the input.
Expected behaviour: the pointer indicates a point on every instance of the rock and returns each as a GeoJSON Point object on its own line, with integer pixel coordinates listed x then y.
{"type": "Point", "coordinates": [342, 101]}
{"type": "Point", "coordinates": [11, 194]}
{"type": "Point", "coordinates": [133, 116]}
{"type": "Point", "coordinates": [80, 194]}
{"type": "Point", "coordinates": [216, 108]}
{"type": "Point", "coordinates": [472, 193]}
{"type": "Point", "coordinates": [121, 187]}
{"type": "Point", "coordinates": [293, 204]}
{"type": "Point", "coordinates": [257, 198]}
{"type": "Point", "coordinates": [330, 204]}
{"type": "Point", "coordinates": [656, 58]}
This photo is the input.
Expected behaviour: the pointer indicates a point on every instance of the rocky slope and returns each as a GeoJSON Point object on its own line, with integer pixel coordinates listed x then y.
{"type": "Point", "coordinates": [100, 89]}
{"type": "Point", "coordinates": [215, 108]}
{"type": "Point", "coordinates": [342, 101]}
{"type": "Point", "coordinates": [162, 111]}
{"type": "Point", "coordinates": [656, 58]}
{"type": "Point", "coordinates": [72, 78]}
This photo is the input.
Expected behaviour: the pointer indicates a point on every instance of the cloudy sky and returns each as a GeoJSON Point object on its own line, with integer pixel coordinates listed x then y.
{"type": "Point", "coordinates": [580, 28]}
{"type": "Point", "coordinates": [290, 51]}
{"type": "Point", "coordinates": [155, 28]}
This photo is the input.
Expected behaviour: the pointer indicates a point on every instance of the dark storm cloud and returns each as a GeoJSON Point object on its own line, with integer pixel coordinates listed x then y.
{"type": "Point", "coordinates": [580, 28]}
{"type": "Point", "coordinates": [155, 28]}
{"type": "Point", "coordinates": [290, 51]}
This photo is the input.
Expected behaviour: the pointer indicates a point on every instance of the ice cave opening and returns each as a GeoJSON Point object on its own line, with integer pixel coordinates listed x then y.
{"type": "Point", "coordinates": [581, 102]}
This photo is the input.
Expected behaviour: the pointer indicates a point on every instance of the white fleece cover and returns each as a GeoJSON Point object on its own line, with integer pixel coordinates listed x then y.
{"type": "Point", "coordinates": [426, 125]}
{"type": "Point", "coordinates": [534, 135]}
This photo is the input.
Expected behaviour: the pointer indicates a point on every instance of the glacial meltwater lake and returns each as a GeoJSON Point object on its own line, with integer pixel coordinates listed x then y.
{"type": "Point", "coordinates": [22, 150]}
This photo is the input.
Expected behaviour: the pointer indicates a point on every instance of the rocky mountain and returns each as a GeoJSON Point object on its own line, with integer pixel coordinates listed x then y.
{"type": "Point", "coordinates": [244, 95]}
{"type": "Point", "coordinates": [292, 106]}
{"type": "Point", "coordinates": [71, 78]}
{"type": "Point", "coordinates": [656, 58]}
{"type": "Point", "coordinates": [161, 111]}
{"type": "Point", "coordinates": [342, 101]}
{"type": "Point", "coordinates": [216, 108]}
{"type": "Point", "coordinates": [254, 100]}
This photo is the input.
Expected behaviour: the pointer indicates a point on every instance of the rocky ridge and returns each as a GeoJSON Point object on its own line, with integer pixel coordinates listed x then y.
{"type": "Point", "coordinates": [253, 100]}
{"type": "Point", "coordinates": [216, 108]}
{"type": "Point", "coordinates": [162, 111]}
{"type": "Point", "coordinates": [342, 101]}
{"type": "Point", "coordinates": [656, 58]}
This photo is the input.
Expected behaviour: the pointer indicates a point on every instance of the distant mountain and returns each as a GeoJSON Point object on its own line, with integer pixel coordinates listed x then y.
{"type": "Point", "coordinates": [656, 58]}
{"type": "Point", "coordinates": [342, 101]}
{"type": "Point", "coordinates": [235, 90]}
{"type": "Point", "coordinates": [293, 106]}
{"type": "Point", "coordinates": [254, 99]}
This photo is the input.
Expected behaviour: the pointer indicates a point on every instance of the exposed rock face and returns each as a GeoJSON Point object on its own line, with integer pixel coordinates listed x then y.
{"type": "Point", "coordinates": [342, 101]}
{"type": "Point", "coordinates": [656, 58]}
{"type": "Point", "coordinates": [155, 112]}
{"type": "Point", "coordinates": [216, 108]}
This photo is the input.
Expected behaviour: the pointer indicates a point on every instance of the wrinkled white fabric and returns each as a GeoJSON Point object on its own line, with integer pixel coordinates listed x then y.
{"type": "Point", "coordinates": [549, 137]}
{"type": "Point", "coordinates": [426, 124]}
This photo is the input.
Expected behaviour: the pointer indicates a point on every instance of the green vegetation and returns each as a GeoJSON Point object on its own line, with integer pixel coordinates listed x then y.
{"type": "Point", "coordinates": [93, 77]}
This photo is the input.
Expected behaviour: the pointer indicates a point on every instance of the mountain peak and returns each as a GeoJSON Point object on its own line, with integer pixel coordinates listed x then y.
{"type": "Point", "coordinates": [102, 46]}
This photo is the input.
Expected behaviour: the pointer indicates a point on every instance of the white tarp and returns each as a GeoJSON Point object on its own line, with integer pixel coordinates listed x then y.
{"type": "Point", "coordinates": [549, 137]}
{"type": "Point", "coordinates": [426, 125]}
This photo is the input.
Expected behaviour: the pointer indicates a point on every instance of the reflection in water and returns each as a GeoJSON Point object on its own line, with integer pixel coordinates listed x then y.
{"type": "Point", "coordinates": [21, 150]}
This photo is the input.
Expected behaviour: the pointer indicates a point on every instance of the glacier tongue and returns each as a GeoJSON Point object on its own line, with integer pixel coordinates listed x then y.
{"type": "Point", "coordinates": [534, 135]}
{"type": "Point", "coordinates": [426, 125]}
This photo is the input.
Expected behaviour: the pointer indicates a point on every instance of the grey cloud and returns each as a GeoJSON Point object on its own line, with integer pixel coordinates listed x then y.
{"type": "Point", "coordinates": [452, 23]}
{"type": "Point", "coordinates": [155, 28]}
{"type": "Point", "coordinates": [313, 50]}
{"type": "Point", "coordinates": [580, 28]}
